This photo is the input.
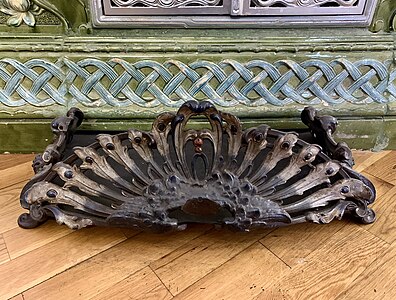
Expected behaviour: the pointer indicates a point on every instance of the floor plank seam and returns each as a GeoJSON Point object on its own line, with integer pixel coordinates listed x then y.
{"type": "Point", "coordinates": [318, 244]}
{"type": "Point", "coordinates": [69, 268]}
{"type": "Point", "coordinates": [5, 173]}
{"type": "Point", "coordinates": [5, 246]}
{"type": "Point", "coordinates": [11, 160]}
{"type": "Point", "coordinates": [132, 236]}
{"type": "Point", "coordinates": [362, 226]}
{"type": "Point", "coordinates": [378, 156]}
{"type": "Point", "coordinates": [160, 280]}
{"type": "Point", "coordinates": [122, 279]}
{"type": "Point", "coordinates": [180, 247]}
{"type": "Point", "coordinates": [12, 184]}
{"type": "Point", "coordinates": [8, 253]}
{"type": "Point", "coordinates": [219, 266]}
{"type": "Point", "coordinates": [275, 255]}
{"type": "Point", "coordinates": [54, 240]}
{"type": "Point", "coordinates": [376, 177]}
{"type": "Point", "coordinates": [335, 296]}
{"type": "Point", "coordinates": [379, 178]}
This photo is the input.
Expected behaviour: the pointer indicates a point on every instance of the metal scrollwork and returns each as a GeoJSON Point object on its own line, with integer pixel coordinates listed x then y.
{"type": "Point", "coordinates": [175, 174]}
{"type": "Point", "coordinates": [305, 3]}
{"type": "Point", "coordinates": [165, 3]}
{"type": "Point", "coordinates": [63, 129]}
{"type": "Point", "coordinates": [232, 13]}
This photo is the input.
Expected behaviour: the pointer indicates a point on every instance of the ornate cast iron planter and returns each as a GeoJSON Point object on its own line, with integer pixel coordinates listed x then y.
{"type": "Point", "coordinates": [175, 175]}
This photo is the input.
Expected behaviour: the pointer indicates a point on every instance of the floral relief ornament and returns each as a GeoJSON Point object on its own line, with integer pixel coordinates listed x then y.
{"type": "Point", "coordinates": [20, 11]}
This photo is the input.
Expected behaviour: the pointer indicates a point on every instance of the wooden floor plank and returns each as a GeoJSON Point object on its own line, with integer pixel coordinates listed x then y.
{"type": "Point", "coordinates": [10, 208]}
{"type": "Point", "coordinates": [20, 241]}
{"type": "Point", "coordinates": [342, 259]}
{"type": "Point", "coordinates": [381, 187]}
{"type": "Point", "coordinates": [377, 281]}
{"type": "Point", "coordinates": [17, 297]}
{"type": "Point", "coordinates": [143, 285]}
{"type": "Point", "coordinates": [294, 243]}
{"type": "Point", "coordinates": [4, 257]}
{"type": "Point", "coordinates": [30, 269]}
{"type": "Point", "coordinates": [103, 271]}
{"type": "Point", "coordinates": [328, 270]}
{"type": "Point", "coordinates": [10, 160]}
{"type": "Point", "coordinates": [385, 209]}
{"type": "Point", "coordinates": [384, 168]}
{"type": "Point", "coordinates": [16, 174]}
{"type": "Point", "coordinates": [129, 232]}
{"type": "Point", "coordinates": [201, 256]}
{"type": "Point", "coordinates": [242, 277]}
{"type": "Point", "coordinates": [364, 159]}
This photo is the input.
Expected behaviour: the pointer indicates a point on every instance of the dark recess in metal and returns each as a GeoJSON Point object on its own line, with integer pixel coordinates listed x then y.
{"type": "Point", "coordinates": [175, 175]}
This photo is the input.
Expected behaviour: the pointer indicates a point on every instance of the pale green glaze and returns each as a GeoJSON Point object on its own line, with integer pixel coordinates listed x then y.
{"type": "Point", "coordinates": [26, 128]}
{"type": "Point", "coordinates": [25, 136]}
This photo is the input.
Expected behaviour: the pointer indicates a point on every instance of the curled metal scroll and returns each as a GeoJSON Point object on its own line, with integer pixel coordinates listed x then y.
{"type": "Point", "coordinates": [165, 3]}
{"type": "Point", "coordinates": [305, 3]}
{"type": "Point", "coordinates": [176, 174]}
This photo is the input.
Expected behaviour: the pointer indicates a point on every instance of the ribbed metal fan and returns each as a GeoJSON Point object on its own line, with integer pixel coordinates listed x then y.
{"type": "Point", "coordinates": [177, 174]}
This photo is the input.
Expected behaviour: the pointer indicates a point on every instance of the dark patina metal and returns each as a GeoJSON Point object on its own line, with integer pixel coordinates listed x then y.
{"type": "Point", "coordinates": [175, 175]}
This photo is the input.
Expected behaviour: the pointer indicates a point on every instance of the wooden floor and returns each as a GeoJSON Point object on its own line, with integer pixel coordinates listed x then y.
{"type": "Point", "coordinates": [342, 260]}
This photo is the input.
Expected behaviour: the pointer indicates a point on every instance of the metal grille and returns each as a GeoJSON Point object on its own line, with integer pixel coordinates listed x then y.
{"type": "Point", "coordinates": [231, 13]}
{"type": "Point", "coordinates": [302, 7]}
{"type": "Point", "coordinates": [166, 7]}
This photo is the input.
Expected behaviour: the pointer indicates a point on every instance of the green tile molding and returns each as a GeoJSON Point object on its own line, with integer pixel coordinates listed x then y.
{"type": "Point", "coordinates": [228, 83]}
{"type": "Point", "coordinates": [52, 58]}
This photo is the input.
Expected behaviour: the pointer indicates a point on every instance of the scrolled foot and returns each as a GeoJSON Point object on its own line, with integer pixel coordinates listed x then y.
{"type": "Point", "coordinates": [26, 221]}
{"type": "Point", "coordinates": [367, 217]}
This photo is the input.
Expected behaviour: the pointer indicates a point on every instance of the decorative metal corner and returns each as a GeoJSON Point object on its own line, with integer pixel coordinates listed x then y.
{"type": "Point", "coordinates": [175, 174]}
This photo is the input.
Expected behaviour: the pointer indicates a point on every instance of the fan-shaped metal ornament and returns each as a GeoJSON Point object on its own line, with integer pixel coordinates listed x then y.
{"type": "Point", "coordinates": [174, 175]}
